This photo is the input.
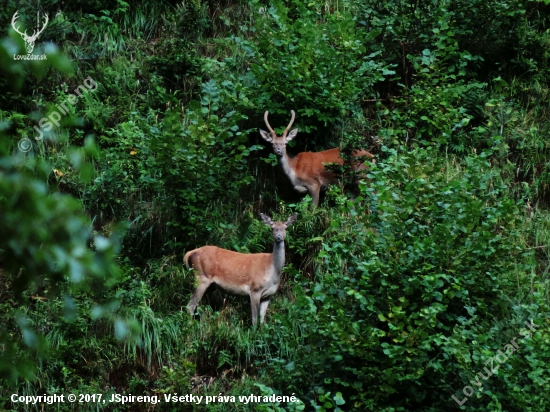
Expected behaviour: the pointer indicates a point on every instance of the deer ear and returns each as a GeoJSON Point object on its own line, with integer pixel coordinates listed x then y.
{"type": "Point", "coordinates": [266, 219]}
{"type": "Point", "coordinates": [291, 219]}
{"type": "Point", "coordinates": [291, 135]}
{"type": "Point", "coordinates": [266, 135]}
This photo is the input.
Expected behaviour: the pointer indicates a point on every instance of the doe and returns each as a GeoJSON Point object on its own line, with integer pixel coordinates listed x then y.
{"type": "Point", "coordinates": [256, 275]}
{"type": "Point", "coordinates": [306, 170]}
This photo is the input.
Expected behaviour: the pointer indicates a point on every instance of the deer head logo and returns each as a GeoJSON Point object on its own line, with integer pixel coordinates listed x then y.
{"type": "Point", "coordinates": [29, 40]}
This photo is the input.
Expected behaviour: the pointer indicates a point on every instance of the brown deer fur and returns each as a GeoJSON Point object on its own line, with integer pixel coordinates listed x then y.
{"type": "Point", "coordinates": [256, 275]}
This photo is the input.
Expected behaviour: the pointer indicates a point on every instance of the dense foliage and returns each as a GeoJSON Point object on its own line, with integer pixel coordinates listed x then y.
{"type": "Point", "coordinates": [402, 294]}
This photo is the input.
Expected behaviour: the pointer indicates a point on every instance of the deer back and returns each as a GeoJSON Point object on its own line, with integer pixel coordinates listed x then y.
{"type": "Point", "coordinates": [311, 165]}
{"type": "Point", "coordinates": [233, 271]}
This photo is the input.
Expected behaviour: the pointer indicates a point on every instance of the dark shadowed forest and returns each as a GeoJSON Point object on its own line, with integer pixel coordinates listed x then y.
{"type": "Point", "coordinates": [129, 136]}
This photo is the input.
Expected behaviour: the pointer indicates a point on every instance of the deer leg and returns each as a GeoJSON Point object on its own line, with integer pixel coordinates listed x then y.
{"type": "Point", "coordinates": [255, 304]}
{"type": "Point", "coordinates": [314, 193]}
{"type": "Point", "coordinates": [263, 309]}
{"type": "Point", "coordinates": [197, 296]}
{"type": "Point", "coordinates": [360, 168]}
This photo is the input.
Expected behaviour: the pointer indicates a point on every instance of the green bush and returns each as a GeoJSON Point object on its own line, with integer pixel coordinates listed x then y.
{"type": "Point", "coordinates": [413, 291]}
{"type": "Point", "coordinates": [393, 300]}
{"type": "Point", "coordinates": [316, 62]}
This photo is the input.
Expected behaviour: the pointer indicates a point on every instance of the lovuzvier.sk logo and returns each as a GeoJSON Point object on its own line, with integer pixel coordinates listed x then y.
{"type": "Point", "coordinates": [30, 40]}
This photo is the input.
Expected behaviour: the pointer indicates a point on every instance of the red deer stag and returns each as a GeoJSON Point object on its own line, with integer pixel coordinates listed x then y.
{"type": "Point", "coordinates": [256, 275]}
{"type": "Point", "coordinates": [306, 170]}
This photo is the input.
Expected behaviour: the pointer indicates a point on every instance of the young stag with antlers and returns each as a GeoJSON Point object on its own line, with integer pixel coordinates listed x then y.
{"type": "Point", "coordinates": [306, 170]}
{"type": "Point", "coordinates": [256, 275]}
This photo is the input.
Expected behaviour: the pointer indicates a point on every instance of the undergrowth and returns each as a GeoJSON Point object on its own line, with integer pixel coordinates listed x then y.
{"type": "Point", "coordinates": [395, 294]}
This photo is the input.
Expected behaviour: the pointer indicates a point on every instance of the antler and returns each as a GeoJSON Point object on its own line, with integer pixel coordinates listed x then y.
{"type": "Point", "coordinates": [268, 126]}
{"type": "Point", "coordinates": [14, 18]}
{"type": "Point", "coordinates": [35, 34]}
{"type": "Point", "coordinates": [287, 128]}
{"type": "Point", "coordinates": [290, 124]}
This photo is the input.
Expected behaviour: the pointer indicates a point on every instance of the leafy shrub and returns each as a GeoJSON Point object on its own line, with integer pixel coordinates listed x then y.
{"type": "Point", "coordinates": [392, 301]}
{"type": "Point", "coordinates": [316, 61]}
{"type": "Point", "coordinates": [411, 290]}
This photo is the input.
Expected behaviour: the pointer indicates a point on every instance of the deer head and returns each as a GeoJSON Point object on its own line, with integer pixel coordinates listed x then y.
{"type": "Point", "coordinates": [279, 228]}
{"type": "Point", "coordinates": [279, 142]}
{"type": "Point", "coordinates": [29, 40]}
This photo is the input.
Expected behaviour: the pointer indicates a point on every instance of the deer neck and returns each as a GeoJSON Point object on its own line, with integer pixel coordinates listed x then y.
{"type": "Point", "coordinates": [278, 257]}
{"type": "Point", "coordinates": [288, 166]}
